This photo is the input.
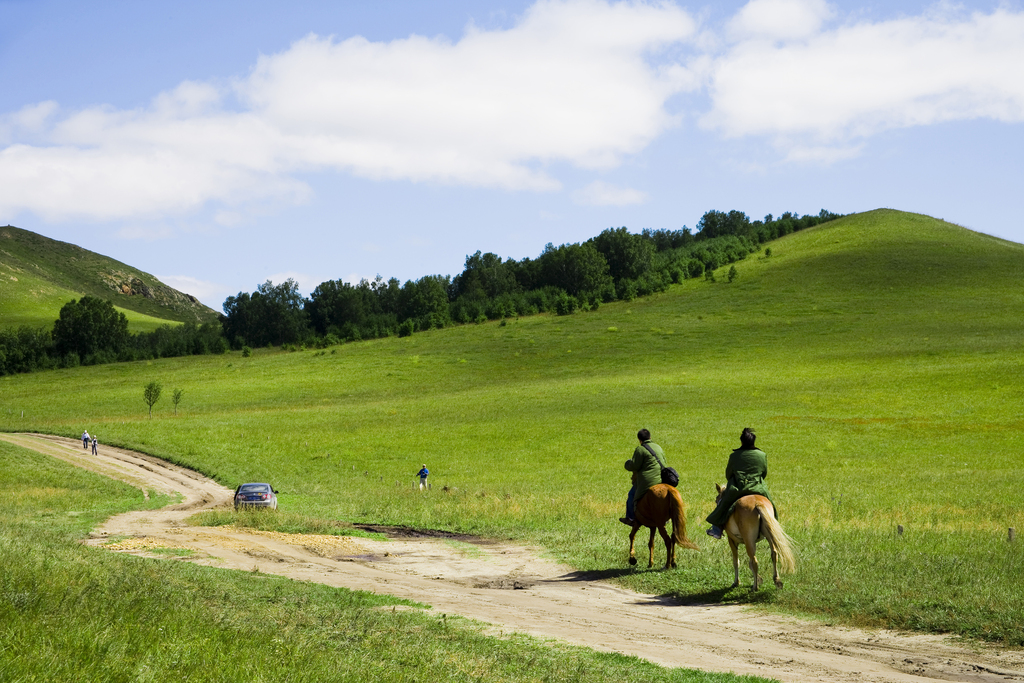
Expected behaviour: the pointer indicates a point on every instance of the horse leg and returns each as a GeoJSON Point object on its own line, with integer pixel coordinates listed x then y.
{"type": "Point", "coordinates": [670, 560]}
{"type": "Point", "coordinates": [751, 544]}
{"type": "Point", "coordinates": [775, 557]}
{"type": "Point", "coordinates": [735, 561]}
{"type": "Point", "coordinates": [632, 551]}
{"type": "Point", "coordinates": [650, 550]}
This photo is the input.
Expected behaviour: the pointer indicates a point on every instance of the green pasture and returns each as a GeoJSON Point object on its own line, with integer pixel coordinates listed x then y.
{"type": "Point", "coordinates": [878, 357]}
{"type": "Point", "coordinates": [72, 612]}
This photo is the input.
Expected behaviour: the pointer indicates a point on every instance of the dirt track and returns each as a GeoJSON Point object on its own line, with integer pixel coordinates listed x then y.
{"type": "Point", "coordinates": [514, 589]}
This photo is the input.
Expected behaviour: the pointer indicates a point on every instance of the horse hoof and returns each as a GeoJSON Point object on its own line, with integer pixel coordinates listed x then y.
{"type": "Point", "coordinates": [632, 561]}
{"type": "Point", "coordinates": [778, 584]}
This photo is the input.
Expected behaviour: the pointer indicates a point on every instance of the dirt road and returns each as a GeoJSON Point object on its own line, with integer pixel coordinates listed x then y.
{"type": "Point", "coordinates": [514, 589]}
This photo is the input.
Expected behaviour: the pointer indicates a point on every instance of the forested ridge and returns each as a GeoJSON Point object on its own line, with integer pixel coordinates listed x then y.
{"type": "Point", "coordinates": [615, 265]}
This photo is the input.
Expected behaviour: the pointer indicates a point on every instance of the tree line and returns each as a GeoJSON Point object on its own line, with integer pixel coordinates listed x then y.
{"type": "Point", "coordinates": [613, 266]}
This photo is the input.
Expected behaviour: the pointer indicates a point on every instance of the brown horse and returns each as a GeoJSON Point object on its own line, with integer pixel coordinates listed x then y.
{"type": "Point", "coordinates": [660, 504]}
{"type": "Point", "coordinates": [752, 519]}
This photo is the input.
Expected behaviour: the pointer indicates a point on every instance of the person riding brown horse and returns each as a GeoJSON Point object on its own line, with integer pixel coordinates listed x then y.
{"type": "Point", "coordinates": [661, 504]}
{"type": "Point", "coordinates": [646, 463]}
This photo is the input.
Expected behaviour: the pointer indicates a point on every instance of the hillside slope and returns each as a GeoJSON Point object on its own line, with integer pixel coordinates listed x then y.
{"type": "Point", "coordinates": [38, 275]}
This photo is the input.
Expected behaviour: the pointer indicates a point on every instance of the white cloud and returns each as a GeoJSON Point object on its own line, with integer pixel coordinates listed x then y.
{"type": "Point", "coordinates": [105, 164]}
{"type": "Point", "coordinates": [600, 193]}
{"type": "Point", "coordinates": [857, 80]}
{"type": "Point", "coordinates": [29, 120]}
{"type": "Point", "coordinates": [571, 82]}
{"type": "Point", "coordinates": [779, 19]}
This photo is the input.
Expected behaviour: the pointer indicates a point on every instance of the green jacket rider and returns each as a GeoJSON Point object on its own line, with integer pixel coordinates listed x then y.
{"type": "Point", "coordinates": [745, 474]}
{"type": "Point", "coordinates": [646, 472]}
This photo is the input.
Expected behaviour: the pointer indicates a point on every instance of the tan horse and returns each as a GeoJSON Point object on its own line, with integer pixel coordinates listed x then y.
{"type": "Point", "coordinates": [752, 519]}
{"type": "Point", "coordinates": [660, 504]}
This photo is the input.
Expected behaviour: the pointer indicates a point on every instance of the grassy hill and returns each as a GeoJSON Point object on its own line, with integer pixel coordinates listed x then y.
{"type": "Point", "coordinates": [878, 356]}
{"type": "Point", "coordinates": [38, 275]}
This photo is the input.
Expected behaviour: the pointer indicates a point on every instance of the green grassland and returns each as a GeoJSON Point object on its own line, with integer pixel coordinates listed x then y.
{"type": "Point", "coordinates": [39, 275]}
{"type": "Point", "coordinates": [878, 356]}
{"type": "Point", "coordinates": [77, 613]}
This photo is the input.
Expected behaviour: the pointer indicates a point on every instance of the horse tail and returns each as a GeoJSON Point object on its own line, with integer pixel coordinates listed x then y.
{"type": "Point", "coordinates": [778, 538]}
{"type": "Point", "coordinates": [678, 509]}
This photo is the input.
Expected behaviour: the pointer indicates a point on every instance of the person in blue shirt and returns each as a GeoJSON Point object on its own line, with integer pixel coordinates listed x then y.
{"type": "Point", "coordinates": [423, 473]}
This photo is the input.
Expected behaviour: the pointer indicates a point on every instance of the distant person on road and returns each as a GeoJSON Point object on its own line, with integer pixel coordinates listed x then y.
{"type": "Point", "coordinates": [95, 443]}
{"type": "Point", "coordinates": [85, 439]}
{"type": "Point", "coordinates": [646, 463]}
{"type": "Point", "coordinates": [423, 474]}
{"type": "Point", "coordinates": [745, 475]}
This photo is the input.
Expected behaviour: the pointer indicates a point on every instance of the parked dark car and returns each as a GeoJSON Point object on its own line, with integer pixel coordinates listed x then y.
{"type": "Point", "coordinates": [256, 495]}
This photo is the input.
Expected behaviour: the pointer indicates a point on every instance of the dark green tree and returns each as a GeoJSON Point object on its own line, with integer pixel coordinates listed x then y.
{"type": "Point", "coordinates": [629, 256]}
{"type": "Point", "coordinates": [367, 310]}
{"type": "Point", "coordinates": [272, 315]}
{"type": "Point", "coordinates": [486, 276]}
{"type": "Point", "coordinates": [25, 350]}
{"type": "Point", "coordinates": [425, 302]}
{"type": "Point", "coordinates": [719, 224]}
{"type": "Point", "coordinates": [335, 304]}
{"type": "Point", "coordinates": [91, 328]}
{"type": "Point", "coordinates": [576, 268]}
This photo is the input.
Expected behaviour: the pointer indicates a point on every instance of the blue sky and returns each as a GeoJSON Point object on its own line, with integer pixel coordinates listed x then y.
{"type": "Point", "coordinates": [220, 144]}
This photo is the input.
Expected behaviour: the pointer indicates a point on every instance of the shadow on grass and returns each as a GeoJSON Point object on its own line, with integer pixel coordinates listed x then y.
{"type": "Point", "coordinates": [714, 596]}
{"type": "Point", "coordinates": [726, 595]}
{"type": "Point", "coordinates": [598, 574]}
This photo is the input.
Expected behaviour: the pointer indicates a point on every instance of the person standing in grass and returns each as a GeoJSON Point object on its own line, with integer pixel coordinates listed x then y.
{"type": "Point", "coordinates": [646, 463]}
{"type": "Point", "coordinates": [423, 474]}
{"type": "Point", "coordinates": [745, 475]}
{"type": "Point", "coordinates": [95, 443]}
{"type": "Point", "coordinates": [85, 439]}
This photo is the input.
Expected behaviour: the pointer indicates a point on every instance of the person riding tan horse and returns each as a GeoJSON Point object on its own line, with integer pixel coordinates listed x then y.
{"type": "Point", "coordinates": [753, 518]}
{"type": "Point", "coordinates": [745, 475]}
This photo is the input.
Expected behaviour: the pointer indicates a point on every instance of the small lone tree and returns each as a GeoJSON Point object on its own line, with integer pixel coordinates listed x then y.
{"type": "Point", "coordinates": [176, 398]}
{"type": "Point", "coordinates": [733, 273]}
{"type": "Point", "coordinates": [151, 394]}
